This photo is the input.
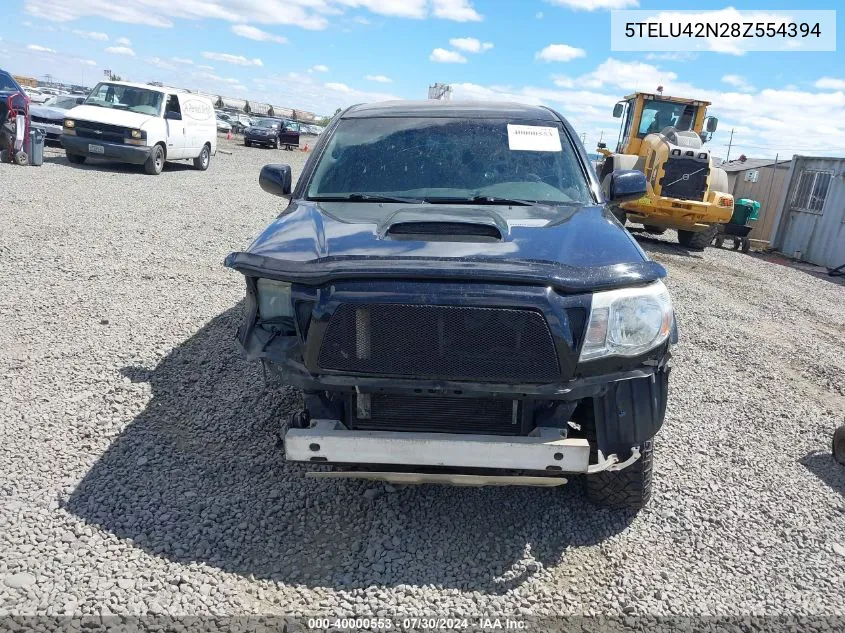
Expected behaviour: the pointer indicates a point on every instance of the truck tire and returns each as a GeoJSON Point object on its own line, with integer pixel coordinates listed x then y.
{"type": "Point", "coordinates": [626, 489]}
{"type": "Point", "coordinates": [697, 240]}
{"type": "Point", "coordinates": [202, 161]}
{"type": "Point", "coordinates": [76, 159]}
{"type": "Point", "coordinates": [155, 162]}
{"type": "Point", "coordinates": [654, 230]}
{"type": "Point", "coordinates": [839, 445]}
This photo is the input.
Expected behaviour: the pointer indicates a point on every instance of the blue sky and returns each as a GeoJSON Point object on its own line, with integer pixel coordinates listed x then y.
{"type": "Point", "coordinates": [322, 54]}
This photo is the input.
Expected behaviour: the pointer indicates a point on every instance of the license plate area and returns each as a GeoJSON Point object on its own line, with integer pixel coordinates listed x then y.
{"type": "Point", "coordinates": [96, 149]}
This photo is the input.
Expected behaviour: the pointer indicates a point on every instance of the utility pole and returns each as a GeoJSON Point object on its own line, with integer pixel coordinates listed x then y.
{"type": "Point", "coordinates": [730, 142]}
{"type": "Point", "coordinates": [583, 138]}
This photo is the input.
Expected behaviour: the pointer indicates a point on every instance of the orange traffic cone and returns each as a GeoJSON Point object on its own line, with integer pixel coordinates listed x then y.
{"type": "Point", "coordinates": [229, 135]}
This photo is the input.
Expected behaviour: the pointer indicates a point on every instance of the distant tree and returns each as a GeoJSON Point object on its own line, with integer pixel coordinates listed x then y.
{"type": "Point", "coordinates": [113, 77]}
{"type": "Point", "coordinates": [323, 121]}
{"type": "Point", "coordinates": [247, 109]}
{"type": "Point", "coordinates": [219, 103]}
{"type": "Point", "coordinates": [271, 111]}
{"type": "Point", "coordinates": [294, 115]}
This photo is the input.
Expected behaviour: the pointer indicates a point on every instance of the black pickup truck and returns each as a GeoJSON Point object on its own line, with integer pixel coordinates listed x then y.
{"type": "Point", "coordinates": [450, 291]}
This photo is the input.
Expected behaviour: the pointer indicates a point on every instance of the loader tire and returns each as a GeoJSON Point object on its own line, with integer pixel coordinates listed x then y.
{"type": "Point", "coordinates": [654, 230]}
{"type": "Point", "coordinates": [838, 447]}
{"type": "Point", "coordinates": [697, 240]}
{"type": "Point", "coordinates": [626, 489]}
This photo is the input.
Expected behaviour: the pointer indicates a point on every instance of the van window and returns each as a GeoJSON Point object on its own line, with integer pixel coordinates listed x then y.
{"type": "Point", "coordinates": [132, 98]}
{"type": "Point", "coordinates": [173, 104]}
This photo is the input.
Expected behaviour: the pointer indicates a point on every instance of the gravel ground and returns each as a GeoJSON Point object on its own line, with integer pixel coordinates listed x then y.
{"type": "Point", "coordinates": [139, 471]}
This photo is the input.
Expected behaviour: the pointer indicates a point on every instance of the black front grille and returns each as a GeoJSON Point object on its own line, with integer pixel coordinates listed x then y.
{"type": "Point", "coordinates": [441, 342]}
{"type": "Point", "coordinates": [101, 131]}
{"type": "Point", "coordinates": [41, 119]}
{"type": "Point", "coordinates": [435, 414]}
{"type": "Point", "coordinates": [684, 178]}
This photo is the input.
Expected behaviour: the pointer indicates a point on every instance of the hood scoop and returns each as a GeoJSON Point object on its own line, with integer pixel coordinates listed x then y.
{"type": "Point", "coordinates": [445, 224]}
{"type": "Point", "coordinates": [445, 231]}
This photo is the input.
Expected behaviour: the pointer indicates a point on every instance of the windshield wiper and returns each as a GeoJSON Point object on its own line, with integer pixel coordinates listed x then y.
{"type": "Point", "coordinates": [367, 197]}
{"type": "Point", "coordinates": [483, 200]}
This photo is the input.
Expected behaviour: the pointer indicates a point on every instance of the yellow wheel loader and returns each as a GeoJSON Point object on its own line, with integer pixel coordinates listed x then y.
{"type": "Point", "coordinates": [664, 137]}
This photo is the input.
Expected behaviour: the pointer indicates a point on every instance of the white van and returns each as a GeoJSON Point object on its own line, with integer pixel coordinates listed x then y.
{"type": "Point", "coordinates": [141, 124]}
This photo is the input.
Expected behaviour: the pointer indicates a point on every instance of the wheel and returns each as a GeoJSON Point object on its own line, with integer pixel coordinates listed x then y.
{"type": "Point", "coordinates": [247, 143]}
{"type": "Point", "coordinates": [275, 143]}
{"type": "Point", "coordinates": [839, 445]}
{"type": "Point", "coordinates": [21, 158]}
{"type": "Point", "coordinates": [737, 243]}
{"type": "Point", "coordinates": [620, 214]}
{"type": "Point", "coordinates": [654, 230]}
{"type": "Point", "coordinates": [718, 242]}
{"type": "Point", "coordinates": [746, 245]}
{"type": "Point", "coordinates": [629, 488]}
{"type": "Point", "coordinates": [697, 240]}
{"type": "Point", "coordinates": [202, 161]}
{"type": "Point", "coordinates": [155, 161]}
{"type": "Point", "coordinates": [76, 159]}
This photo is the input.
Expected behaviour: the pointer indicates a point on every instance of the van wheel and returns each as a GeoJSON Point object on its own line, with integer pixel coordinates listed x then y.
{"type": "Point", "coordinates": [155, 161]}
{"type": "Point", "coordinates": [76, 159]}
{"type": "Point", "coordinates": [202, 161]}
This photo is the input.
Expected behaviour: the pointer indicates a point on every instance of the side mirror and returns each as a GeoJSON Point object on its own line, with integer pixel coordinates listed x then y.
{"type": "Point", "coordinates": [627, 184]}
{"type": "Point", "coordinates": [173, 115]}
{"type": "Point", "coordinates": [617, 110]}
{"type": "Point", "coordinates": [711, 123]}
{"type": "Point", "coordinates": [276, 179]}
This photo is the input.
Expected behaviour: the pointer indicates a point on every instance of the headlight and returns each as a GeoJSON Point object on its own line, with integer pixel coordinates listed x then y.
{"type": "Point", "coordinates": [628, 322]}
{"type": "Point", "coordinates": [136, 133]}
{"type": "Point", "coordinates": [273, 299]}
{"type": "Point", "coordinates": [69, 123]}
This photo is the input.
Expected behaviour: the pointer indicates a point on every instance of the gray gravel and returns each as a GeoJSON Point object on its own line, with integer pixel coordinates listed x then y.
{"type": "Point", "coordinates": [139, 471]}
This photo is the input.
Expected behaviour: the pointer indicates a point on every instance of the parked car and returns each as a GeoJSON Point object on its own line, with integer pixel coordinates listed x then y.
{"type": "Point", "coordinates": [450, 290]}
{"type": "Point", "coordinates": [240, 122]}
{"type": "Point", "coordinates": [223, 125]}
{"type": "Point", "coordinates": [50, 115]}
{"type": "Point", "coordinates": [273, 133]}
{"type": "Point", "coordinates": [36, 96]}
{"type": "Point", "coordinates": [141, 124]}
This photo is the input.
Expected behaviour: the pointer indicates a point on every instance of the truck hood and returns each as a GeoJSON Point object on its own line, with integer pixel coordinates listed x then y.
{"type": "Point", "coordinates": [108, 115]}
{"type": "Point", "coordinates": [581, 248]}
{"type": "Point", "coordinates": [48, 112]}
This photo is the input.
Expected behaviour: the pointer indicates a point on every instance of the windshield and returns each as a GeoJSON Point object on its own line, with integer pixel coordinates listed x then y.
{"type": "Point", "coordinates": [140, 100]}
{"type": "Point", "coordinates": [65, 103]}
{"type": "Point", "coordinates": [660, 114]}
{"type": "Point", "coordinates": [450, 159]}
{"type": "Point", "coordinates": [7, 84]}
{"type": "Point", "coordinates": [268, 123]}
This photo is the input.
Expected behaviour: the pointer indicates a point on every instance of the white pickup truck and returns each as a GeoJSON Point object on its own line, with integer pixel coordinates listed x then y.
{"type": "Point", "coordinates": [141, 124]}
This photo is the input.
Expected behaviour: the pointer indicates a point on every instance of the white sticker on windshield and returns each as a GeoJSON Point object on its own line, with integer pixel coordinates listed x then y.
{"type": "Point", "coordinates": [533, 138]}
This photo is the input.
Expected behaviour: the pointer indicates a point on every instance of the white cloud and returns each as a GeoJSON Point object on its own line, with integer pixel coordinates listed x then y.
{"type": "Point", "coordinates": [442, 56]}
{"type": "Point", "coordinates": [40, 49]}
{"type": "Point", "coordinates": [382, 79]}
{"type": "Point", "coordinates": [360, 19]}
{"type": "Point", "coordinates": [205, 67]}
{"type": "Point", "coordinates": [560, 53]}
{"type": "Point", "coordinates": [238, 60]}
{"type": "Point", "coordinates": [456, 10]}
{"type": "Point", "coordinates": [86, 62]}
{"type": "Point", "coordinates": [593, 5]}
{"type": "Point", "coordinates": [319, 68]}
{"type": "Point", "coordinates": [183, 60]}
{"type": "Point", "coordinates": [120, 50]}
{"type": "Point", "coordinates": [216, 78]}
{"type": "Point", "coordinates": [679, 56]}
{"type": "Point", "coordinates": [738, 81]}
{"type": "Point", "coordinates": [158, 62]}
{"type": "Point", "coordinates": [338, 87]}
{"type": "Point", "coordinates": [539, 15]}
{"type": "Point", "coordinates": [306, 14]}
{"type": "Point", "coordinates": [830, 83]}
{"type": "Point", "coordinates": [91, 35]}
{"type": "Point", "coordinates": [253, 33]}
{"type": "Point", "coordinates": [470, 44]}
{"type": "Point", "coordinates": [124, 41]}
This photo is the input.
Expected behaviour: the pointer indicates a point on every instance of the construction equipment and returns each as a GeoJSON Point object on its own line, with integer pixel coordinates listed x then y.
{"type": "Point", "coordinates": [664, 138]}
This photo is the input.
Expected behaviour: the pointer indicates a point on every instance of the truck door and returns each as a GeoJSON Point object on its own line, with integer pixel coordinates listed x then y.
{"type": "Point", "coordinates": [289, 134]}
{"type": "Point", "coordinates": [176, 132]}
